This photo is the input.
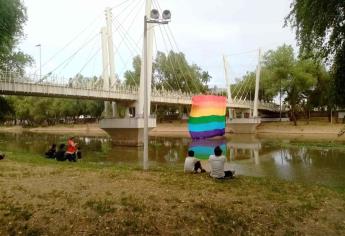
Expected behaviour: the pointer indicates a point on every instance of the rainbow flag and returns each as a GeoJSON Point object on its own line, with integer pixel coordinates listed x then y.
{"type": "Point", "coordinates": [207, 117]}
{"type": "Point", "coordinates": [204, 148]}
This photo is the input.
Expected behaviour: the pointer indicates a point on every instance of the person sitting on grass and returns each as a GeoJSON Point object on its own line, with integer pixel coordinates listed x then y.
{"type": "Point", "coordinates": [191, 164]}
{"type": "Point", "coordinates": [50, 154]}
{"type": "Point", "coordinates": [78, 152]}
{"type": "Point", "coordinates": [71, 150]}
{"type": "Point", "coordinates": [2, 156]}
{"type": "Point", "coordinates": [60, 154]}
{"type": "Point", "coordinates": [217, 162]}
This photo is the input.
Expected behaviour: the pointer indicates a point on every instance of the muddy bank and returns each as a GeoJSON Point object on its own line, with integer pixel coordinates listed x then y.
{"type": "Point", "coordinates": [314, 130]}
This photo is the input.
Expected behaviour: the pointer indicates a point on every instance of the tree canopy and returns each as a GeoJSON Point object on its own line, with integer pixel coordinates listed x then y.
{"type": "Point", "coordinates": [304, 83]}
{"type": "Point", "coordinates": [12, 19]}
{"type": "Point", "coordinates": [171, 72]}
{"type": "Point", "coordinates": [320, 30]}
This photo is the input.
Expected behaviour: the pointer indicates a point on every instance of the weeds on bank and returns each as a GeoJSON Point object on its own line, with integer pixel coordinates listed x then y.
{"type": "Point", "coordinates": [314, 145]}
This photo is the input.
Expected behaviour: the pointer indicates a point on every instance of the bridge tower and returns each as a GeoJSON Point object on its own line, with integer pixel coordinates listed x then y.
{"type": "Point", "coordinates": [244, 125]}
{"type": "Point", "coordinates": [128, 131]}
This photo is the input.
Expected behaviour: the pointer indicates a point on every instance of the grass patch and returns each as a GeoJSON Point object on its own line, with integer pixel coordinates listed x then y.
{"type": "Point", "coordinates": [90, 200]}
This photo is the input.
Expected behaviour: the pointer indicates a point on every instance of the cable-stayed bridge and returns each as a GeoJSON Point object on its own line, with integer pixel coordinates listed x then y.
{"type": "Point", "coordinates": [106, 84]}
{"type": "Point", "coordinates": [15, 84]}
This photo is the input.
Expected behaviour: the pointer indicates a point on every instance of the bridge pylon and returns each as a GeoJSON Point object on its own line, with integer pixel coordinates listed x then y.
{"type": "Point", "coordinates": [129, 131]}
{"type": "Point", "coordinates": [244, 125]}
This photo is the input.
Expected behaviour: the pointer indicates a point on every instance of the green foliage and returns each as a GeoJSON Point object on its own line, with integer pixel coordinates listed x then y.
{"type": "Point", "coordinates": [295, 77]}
{"type": "Point", "coordinates": [338, 73]}
{"type": "Point", "coordinates": [132, 78]}
{"type": "Point", "coordinates": [6, 108]}
{"type": "Point", "coordinates": [320, 27]}
{"type": "Point", "coordinates": [12, 18]}
{"type": "Point", "coordinates": [305, 83]}
{"type": "Point", "coordinates": [245, 87]}
{"type": "Point", "coordinates": [38, 111]}
{"type": "Point", "coordinates": [171, 72]}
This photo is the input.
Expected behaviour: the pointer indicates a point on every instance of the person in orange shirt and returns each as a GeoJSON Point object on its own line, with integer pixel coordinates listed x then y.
{"type": "Point", "coordinates": [71, 150]}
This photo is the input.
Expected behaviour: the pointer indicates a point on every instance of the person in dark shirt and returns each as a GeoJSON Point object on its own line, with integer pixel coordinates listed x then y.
{"type": "Point", "coordinates": [2, 156]}
{"type": "Point", "coordinates": [50, 154]}
{"type": "Point", "coordinates": [60, 154]}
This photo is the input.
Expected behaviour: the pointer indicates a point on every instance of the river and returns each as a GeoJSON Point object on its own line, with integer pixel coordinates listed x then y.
{"type": "Point", "coordinates": [291, 159]}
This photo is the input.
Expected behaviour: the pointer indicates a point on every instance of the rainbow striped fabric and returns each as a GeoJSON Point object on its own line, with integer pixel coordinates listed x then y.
{"type": "Point", "coordinates": [207, 117]}
{"type": "Point", "coordinates": [204, 148]}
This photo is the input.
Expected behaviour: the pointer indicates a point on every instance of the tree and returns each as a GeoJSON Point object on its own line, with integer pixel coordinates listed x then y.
{"type": "Point", "coordinates": [245, 88]}
{"type": "Point", "coordinates": [171, 72]}
{"type": "Point", "coordinates": [12, 18]}
{"type": "Point", "coordinates": [132, 78]}
{"type": "Point", "coordinates": [320, 30]}
{"type": "Point", "coordinates": [6, 108]}
{"type": "Point", "coordinates": [295, 76]}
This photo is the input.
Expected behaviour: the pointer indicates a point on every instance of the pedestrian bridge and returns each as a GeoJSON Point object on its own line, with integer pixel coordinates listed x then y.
{"type": "Point", "coordinates": [10, 85]}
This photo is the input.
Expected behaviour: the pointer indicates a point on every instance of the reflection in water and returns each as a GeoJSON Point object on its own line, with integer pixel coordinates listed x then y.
{"type": "Point", "coordinates": [204, 148]}
{"type": "Point", "coordinates": [247, 154]}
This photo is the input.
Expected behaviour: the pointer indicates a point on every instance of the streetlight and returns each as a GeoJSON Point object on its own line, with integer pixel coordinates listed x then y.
{"type": "Point", "coordinates": [154, 19]}
{"type": "Point", "coordinates": [40, 48]}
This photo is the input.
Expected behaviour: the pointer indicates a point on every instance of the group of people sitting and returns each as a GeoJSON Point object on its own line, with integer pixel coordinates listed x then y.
{"type": "Point", "coordinates": [71, 153]}
{"type": "Point", "coordinates": [216, 161]}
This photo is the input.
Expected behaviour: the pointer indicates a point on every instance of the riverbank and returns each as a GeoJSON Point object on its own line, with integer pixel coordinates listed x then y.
{"type": "Point", "coordinates": [47, 197]}
{"type": "Point", "coordinates": [313, 130]}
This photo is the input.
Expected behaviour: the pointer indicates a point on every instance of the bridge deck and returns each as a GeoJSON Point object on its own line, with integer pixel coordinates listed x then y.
{"type": "Point", "coordinates": [15, 87]}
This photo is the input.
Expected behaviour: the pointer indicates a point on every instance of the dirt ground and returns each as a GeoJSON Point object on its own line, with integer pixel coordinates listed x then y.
{"type": "Point", "coordinates": [60, 199]}
{"type": "Point", "coordinates": [316, 128]}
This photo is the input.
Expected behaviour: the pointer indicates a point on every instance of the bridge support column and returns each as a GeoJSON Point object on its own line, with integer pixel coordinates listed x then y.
{"type": "Point", "coordinates": [114, 109]}
{"type": "Point", "coordinates": [244, 125]}
{"type": "Point", "coordinates": [129, 131]}
{"type": "Point", "coordinates": [126, 131]}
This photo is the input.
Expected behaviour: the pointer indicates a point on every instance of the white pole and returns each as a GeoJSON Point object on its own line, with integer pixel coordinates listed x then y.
{"type": "Point", "coordinates": [257, 81]}
{"type": "Point", "coordinates": [227, 79]}
{"type": "Point", "coordinates": [105, 71]}
{"type": "Point", "coordinates": [149, 47]}
{"type": "Point", "coordinates": [109, 19]}
{"type": "Point", "coordinates": [40, 61]}
{"type": "Point", "coordinates": [146, 111]}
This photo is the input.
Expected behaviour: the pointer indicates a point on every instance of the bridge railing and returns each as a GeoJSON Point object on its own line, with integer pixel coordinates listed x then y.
{"type": "Point", "coordinates": [159, 95]}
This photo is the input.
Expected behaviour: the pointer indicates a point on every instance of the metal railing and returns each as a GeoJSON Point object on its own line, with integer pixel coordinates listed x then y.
{"type": "Point", "coordinates": [11, 80]}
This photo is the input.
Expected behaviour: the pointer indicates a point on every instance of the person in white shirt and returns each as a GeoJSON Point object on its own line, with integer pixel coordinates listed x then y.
{"type": "Point", "coordinates": [217, 162]}
{"type": "Point", "coordinates": [191, 164]}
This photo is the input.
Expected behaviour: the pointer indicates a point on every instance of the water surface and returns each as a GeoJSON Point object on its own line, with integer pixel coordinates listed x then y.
{"type": "Point", "coordinates": [289, 159]}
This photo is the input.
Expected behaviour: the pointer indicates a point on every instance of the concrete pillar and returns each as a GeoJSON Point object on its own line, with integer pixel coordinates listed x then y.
{"type": "Point", "coordinates": [232, 154]}
{"type": "Point", "coordinates": [112, 80]}
{"type": "Point", "coordinates": [105, 70]}
{"type": "Point", "coordinates": [257, 82]}
{"type": "Point", "coordinates": [140, 103]}
{"type": "Point", "coordinates": [228, 84]}
{"type": "Point", "coordinates": [256, 157]}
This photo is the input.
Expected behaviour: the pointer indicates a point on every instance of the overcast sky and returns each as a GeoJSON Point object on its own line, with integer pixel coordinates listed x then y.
{"type": "Point", "coordinates": [204, 31]}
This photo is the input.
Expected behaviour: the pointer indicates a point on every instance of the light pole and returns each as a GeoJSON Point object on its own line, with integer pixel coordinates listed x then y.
{"type": "Point", "coordinates": [40, 53]}
{"type": "Point", "coordinates": [154, 19]}
{"type": "Point", "coordinates": [280, 100]}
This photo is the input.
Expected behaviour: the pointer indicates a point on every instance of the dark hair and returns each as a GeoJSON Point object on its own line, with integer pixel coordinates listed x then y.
{"type": "Point", "coordinates": [217, 151]}
{"type": "Point", "coordinates": [62, 146]}
{"type": "Point", "coordinates": [191, 153]}
{"type": "Point", "coordinates": [53, 145]}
